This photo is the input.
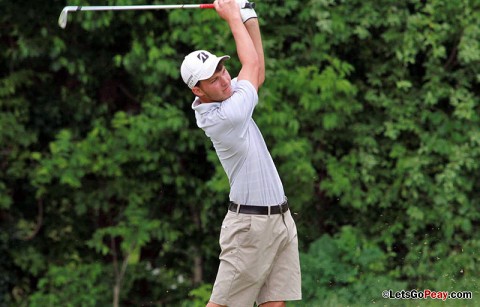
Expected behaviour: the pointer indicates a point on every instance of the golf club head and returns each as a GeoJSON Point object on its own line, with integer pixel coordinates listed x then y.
{"type": "Point", "coordinates": [62, 20]}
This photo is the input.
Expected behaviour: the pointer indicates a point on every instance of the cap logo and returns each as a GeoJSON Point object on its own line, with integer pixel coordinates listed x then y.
{"type": "Point", "coordinates": [202, 56]}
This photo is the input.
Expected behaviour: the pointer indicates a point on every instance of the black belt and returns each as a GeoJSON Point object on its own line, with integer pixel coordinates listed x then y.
{"type": "Point", "coordinates": [259, 210]}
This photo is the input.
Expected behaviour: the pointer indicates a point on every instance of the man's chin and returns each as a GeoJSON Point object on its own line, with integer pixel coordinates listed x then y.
{"type": "Point", "coordinates": [228, 92]}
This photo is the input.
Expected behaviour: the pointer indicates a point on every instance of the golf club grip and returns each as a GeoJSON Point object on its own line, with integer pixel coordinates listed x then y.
{"type": "Point", "coordinates": [248, 5]}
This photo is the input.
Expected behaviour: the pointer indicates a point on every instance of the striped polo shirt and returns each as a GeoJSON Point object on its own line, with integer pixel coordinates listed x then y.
{"type": "Point", "coordinates": [240, 146]}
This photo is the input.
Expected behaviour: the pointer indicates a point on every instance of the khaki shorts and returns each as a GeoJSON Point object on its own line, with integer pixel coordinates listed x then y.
{"type": "Point", "coordinates": [259, 260]}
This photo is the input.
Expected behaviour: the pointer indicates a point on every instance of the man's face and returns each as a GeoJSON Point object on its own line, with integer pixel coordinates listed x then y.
{"type": "Point", "coordinates": [217, 88]}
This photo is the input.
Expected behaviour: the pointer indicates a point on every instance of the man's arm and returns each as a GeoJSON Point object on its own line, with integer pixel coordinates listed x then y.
{"type": "Point", "coordinates": [253, 29]}
{"type": "Point", "coordinates": [247, 54]}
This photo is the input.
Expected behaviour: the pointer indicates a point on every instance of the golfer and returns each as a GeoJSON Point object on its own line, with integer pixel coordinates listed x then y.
{"type": "Point", "coordinates": [259, 259]}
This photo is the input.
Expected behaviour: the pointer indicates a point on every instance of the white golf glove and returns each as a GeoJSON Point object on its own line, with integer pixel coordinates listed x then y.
{"type": "Point", "coordinates": [246, 13]}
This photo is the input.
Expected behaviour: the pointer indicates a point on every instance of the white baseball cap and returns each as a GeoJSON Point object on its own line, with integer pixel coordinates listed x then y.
{"type": "Point", "coordinates": [199, 65]}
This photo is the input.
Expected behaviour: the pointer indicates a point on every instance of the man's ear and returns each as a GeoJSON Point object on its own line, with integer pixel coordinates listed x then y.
{"type": "Point", "coordinates": [197, 91]}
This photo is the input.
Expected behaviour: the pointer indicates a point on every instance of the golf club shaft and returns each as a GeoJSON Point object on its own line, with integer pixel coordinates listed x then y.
{"type": "Point", "coordinates": [62, 20]}
{"type": "Point", "coordinates": [139, 7]}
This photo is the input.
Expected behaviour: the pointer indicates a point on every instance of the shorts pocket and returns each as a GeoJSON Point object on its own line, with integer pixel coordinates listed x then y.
{"type": "Point", "coordinates": [235, 228]}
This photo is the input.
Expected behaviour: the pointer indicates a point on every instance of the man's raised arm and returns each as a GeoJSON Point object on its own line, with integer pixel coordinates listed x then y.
{"type": "Point", "coordinates": [247, 54]}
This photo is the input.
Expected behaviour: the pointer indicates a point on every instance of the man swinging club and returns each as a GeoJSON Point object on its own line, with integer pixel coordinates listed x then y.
{"type": "Point", "coordinates": [259, 248]}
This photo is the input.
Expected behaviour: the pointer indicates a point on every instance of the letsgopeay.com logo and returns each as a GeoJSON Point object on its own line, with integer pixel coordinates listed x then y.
{"type": "Point", "coordinates": [426, 294]}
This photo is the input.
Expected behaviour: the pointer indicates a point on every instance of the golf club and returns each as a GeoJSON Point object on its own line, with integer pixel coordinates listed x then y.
{"type": "Point", "coordinates": [62, 20]}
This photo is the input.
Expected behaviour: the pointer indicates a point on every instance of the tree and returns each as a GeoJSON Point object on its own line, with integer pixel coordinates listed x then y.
{"type": "Point", "coordinates": [108, 189]}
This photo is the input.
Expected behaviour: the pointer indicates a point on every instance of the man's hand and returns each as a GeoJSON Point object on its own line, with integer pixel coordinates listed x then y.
{"type": "Point", "coordinates": [227, 9]}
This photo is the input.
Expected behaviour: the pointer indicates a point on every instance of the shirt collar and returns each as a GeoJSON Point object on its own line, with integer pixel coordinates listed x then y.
{"type": "Point", "coordinates": [203, 107]}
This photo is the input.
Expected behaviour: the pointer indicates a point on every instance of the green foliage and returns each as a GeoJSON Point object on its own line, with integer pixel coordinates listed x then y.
{"type": "Point", "coordinates": [347, 269]}
{"type": "Point", "coordinates": [200, 296]}
{"type": "Point", "coordinates": [65, 286]}
{"type": "Point", "coordinates": [370, 110]}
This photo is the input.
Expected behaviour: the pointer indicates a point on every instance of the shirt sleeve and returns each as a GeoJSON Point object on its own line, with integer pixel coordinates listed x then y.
{"type": "Point", "coordinates": [239, 107]}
